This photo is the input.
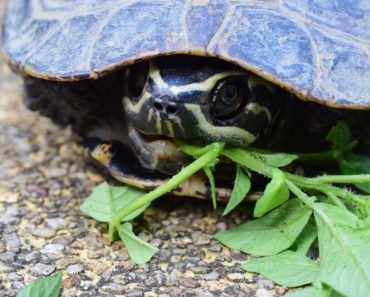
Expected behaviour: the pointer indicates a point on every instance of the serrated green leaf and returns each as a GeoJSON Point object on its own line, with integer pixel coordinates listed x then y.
{"type": "Point", "coordinates": [356, 164]}
{"type": "Point", "coordinates": [105, 201]}
{"type": "Point", "coordinates": [306, 238]}
{"type": "Point", "coordinates": [309, 292]}
{"type": "Point", "coordinates": [341, 138]}
{"type": "Point", "coordinates": [139, 250]}
{"type": "Point", "coordinates": [46, 287]}
{"type": "Point", "coordinates": [241, 188]}
{"type": "Point", "coordinates": [344, 254]}
{"type": "Point", "coordinates": [287, 268]}
{"type": "Point", "coordinates": [277, 159]}
{"type": "Point", "coordinates": [270, 234]}
{"type": "Point", "coordinates": [275, 194]}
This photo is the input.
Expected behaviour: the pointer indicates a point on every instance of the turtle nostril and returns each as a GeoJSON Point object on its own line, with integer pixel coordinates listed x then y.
{"type": "Point", "coordinates": [171, 109]}
{"type": "Point", "coordinates": [158, 106]}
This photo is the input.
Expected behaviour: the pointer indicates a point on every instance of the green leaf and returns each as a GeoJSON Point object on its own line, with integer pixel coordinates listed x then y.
{"type": "Point", "coordinates": [275, 194]}
{"type": "Point", "coordinates": [139, 250]}
{"type": "Point", "coordinates": [309, 292]}
{"type": "Point", "coordinates": [356, 164]}
{"type": "Point", "coordinates": [339, 216]}
{"type": "Point", "coordinates": [105, 201]}
{"type": "Point", "coordinates": [209, 174]}
{"type": "Point", "coordinates": [306, 238]}
{"type": "Point", "coordinates": [241, 188]}
{"type": "Point", "coordinates": [287, 268]}
{"type": "Point", "coordinates": [344, 254]}
{"type": "Point", "coordinates": [277, 159]}
{"type": "Point", "coordinates": [46, 287]}
{"type": "Point", "coordinates": [270, 234]}
{"type": "Point", "coordinates": [341, 138]}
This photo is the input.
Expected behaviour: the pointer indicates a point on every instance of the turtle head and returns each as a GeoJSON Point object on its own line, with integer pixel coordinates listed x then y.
{"type": "Point", "coordinates": [196, 100]}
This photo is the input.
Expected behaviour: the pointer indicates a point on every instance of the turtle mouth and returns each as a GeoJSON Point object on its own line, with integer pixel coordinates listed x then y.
{"type": "Point", "coordinates": [158, 152]}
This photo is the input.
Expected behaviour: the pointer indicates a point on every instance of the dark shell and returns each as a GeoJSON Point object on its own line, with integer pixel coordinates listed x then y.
{"type": "Point", "coordinates": [318, 49]}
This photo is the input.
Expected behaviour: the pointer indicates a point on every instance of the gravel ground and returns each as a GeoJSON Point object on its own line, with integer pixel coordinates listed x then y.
{"type": "Point", "coordinates": [44, 178]}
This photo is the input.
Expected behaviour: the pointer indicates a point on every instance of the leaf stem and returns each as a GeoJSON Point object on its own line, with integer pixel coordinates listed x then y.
{"type": "Point", "coordinates": [329, 156]}
{"type": "Point", "coordinates": [342, 179]}
{"type": "Point", "coordinates": [335, 200]}
{"type": "Point", "coordinates": [214, 151]}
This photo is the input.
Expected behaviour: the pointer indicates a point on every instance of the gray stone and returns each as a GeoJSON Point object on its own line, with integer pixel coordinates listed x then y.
{"type": "Point", "coordinates": [56, 223]}
{"type": "Point", "coordinates": [212, 276]}
{"type": "Point", "coordinates": [265, 283]}
{"type": "Point", "coordinates": [156, 242]}
{"type": "Point", "coordinates": [135, 293]}
{"type": "Point", "coordinates": [178, 251]}
{"type": "Point", "coordinates": [9, 217]}
{"type": "Point", "coordinates": [159, 278]}
{"type": "Point", "coordinates": [215, 248]}
{"type": "Point", "coordinates": [235, 277]}
{"type": "Point", "coordinates": [221, 226]}
{"type": "Point", "coordinates": [203, 293]}
{"type": "Point", "coordinates": [17, 285]}
{"type": "Point", "coordinates": [14, 277]}
{"type": "Point", "coordinates": [120, 279]}
{"type": "Point", "coordinates": [75, 269]}
{"type": "Point", "coordinates": [188, 282]}
{"type": "Point", "coordinates": [12, 242]}
{"type": "Point", "coordinates": [44, 232]}
{"type": "Point", "coordinates": [112, 288]}
{"type": "Point", "coordinates": [7, 256]}
{"type": "Point", "coordinates": [50, 248]}
{"type": "Point", "coordinates": [40, 269]}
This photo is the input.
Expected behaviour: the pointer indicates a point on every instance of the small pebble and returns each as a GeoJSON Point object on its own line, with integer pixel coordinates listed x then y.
{"type": "Point", "coordinates": [112, 288]}
{"type": "Point", "coordinates": [235, 277]}
{"type": "Point", "coordinates": [17, 285]}
{"type": "Point", "coordinates": [135, 293]}
{"type": "Point", "coordinates": [188, 282]}
{"type": "Point", "coordinates": [211, 276]}
{"type": "Point", "coordinates": [221, 226]}
{"type": "Point", "coordinates": [12, 242]}
{"type": "Point", "coordinates": [199, 269]}
{"type": "Point", "coordinates": [56, 223]}
{"type": "Point", "coordinates": [265, 283]}
{"type": "Point", "coordinates": [75, 269]}
{"type": "Point", "coordinates": [203, 293]}
{"type": "Point", "coordinates": [14, 277]}
{"type": "Point", "coordinates": [44, 232]}
{"type": "Point", "coordinates": [40, 269]}
{"type": "Point", "coordinates": [52, 248]}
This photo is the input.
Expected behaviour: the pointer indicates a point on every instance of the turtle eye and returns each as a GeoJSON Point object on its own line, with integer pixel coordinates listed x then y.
{"type": "Point", "coordinates": [135, 79]}
{"type": "Point", "coordinates": [229, 98]}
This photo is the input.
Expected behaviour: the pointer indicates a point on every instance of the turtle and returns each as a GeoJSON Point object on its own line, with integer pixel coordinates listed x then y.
{"type": "Point", "coordinates": [133, 77]}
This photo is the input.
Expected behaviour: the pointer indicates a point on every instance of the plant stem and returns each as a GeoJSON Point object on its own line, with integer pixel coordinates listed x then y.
{"type": "Point", "coordinates": [214, 151]}
{"type": "Point", "coordinates": [335, 200]}
{"type": "Point", "coordinates": [318, 157]}
{"type": "Point", "coordinates": [342, 179]}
